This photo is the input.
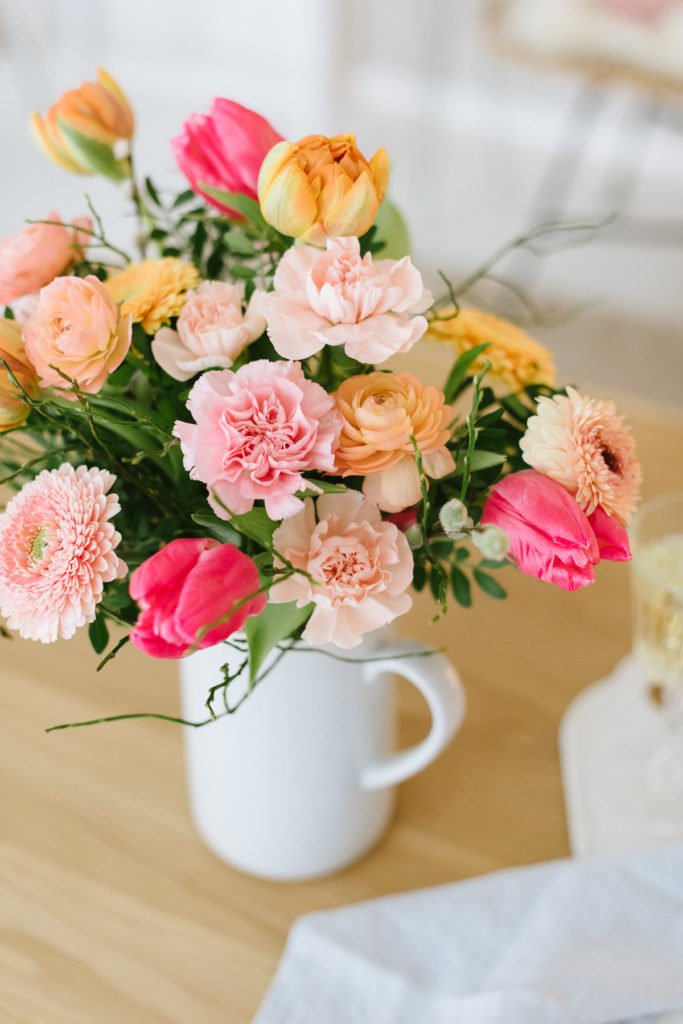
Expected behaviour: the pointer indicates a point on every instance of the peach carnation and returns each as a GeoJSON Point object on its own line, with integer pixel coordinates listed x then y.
{"type": "Point", "coordinates": [212, 330]}
{"type": "Point", "coordinates": [57, 550]}
{"type": "Point", "coordinates": [153, 291]}
{"type": "Point", "coordinates": [358, 567]}
{"type": "Point", "coordinates": [76, 328]}
{"type": "Point", "coordinates": [337, 297]}
{"type": "Point", "coordinates": [516, 359]}
{"type": "Point", "coordinates": [380, 413]}
{"type": "Point", "coordinates": [256, 431]}
{"type": "Point", "coordinates": [584, 445]}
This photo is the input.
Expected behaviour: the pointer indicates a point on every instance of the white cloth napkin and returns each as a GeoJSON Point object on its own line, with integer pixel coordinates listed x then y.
{"type": "Point", "coordinates": [570, 942]}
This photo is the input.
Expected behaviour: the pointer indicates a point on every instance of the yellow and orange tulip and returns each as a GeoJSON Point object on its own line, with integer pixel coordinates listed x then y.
{"type": "Point", "coordinates": [320, 187]}
{"type": "Point", "coordinates": [13, 410]}
{"type": "Point", "coordinates": [80, 129]}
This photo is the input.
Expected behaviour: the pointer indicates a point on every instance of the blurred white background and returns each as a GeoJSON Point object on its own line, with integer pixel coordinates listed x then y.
{"type": "Point", "coordinates": [483, 145]}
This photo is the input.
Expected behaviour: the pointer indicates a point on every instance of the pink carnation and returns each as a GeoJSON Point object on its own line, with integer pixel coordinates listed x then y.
{"type": "Point", "coordinates": [57, 550]}
{"type": "Point", "coordinates": [37, 254]}
{"type": "Point", "coordinates": [358, 567]}
{"type": "Point", "coordinates": [337, 297]}
{"type": "Point", "coordinates": [256, 432]}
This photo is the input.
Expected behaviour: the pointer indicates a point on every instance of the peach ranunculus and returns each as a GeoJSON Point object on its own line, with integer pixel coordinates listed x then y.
{"type": "Point", "coordinates": [320, 187]}
{"type": "Point", "coordinates": [35, 255]}
{"type": "Point", "coordinates": [337, 297]}
{"type": "Point", "coordinates": [13, 409]}
{"type": "Point", "coordinates": [380, 413]}
{"type": "Point", "coordinates": [358, 568]}
{"type": "Point", "coordinates": [583, 444]}
{"type": "Point", "coordinates": [212, 330]}
{"type": "Point", "coordinates": [79, 130]}
{"type": "Point", "coordinates": [77, 328]}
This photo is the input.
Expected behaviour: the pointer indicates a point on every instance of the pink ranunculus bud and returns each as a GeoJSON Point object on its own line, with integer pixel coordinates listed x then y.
{"type": "Point", "coordinates": [550, 537]}
{"type": "Point", "coordinates": [191, 584]}
{"type": "Point", "coordinates": [224, 149]}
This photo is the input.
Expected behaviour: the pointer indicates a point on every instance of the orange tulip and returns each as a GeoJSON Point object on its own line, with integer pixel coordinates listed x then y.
{"type": "Point", "coordinates": [320, 188]}
{"type": "Point", "coordinates": [13, 409]}
{"type": "Point", "coordinates": [80, 129]}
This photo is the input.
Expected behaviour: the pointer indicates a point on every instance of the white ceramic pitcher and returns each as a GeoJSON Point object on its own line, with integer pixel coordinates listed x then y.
{"type": "Point", "coordinates": [300, 780]}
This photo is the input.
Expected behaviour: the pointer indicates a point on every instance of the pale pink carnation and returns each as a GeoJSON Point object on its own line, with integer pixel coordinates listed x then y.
{"type": "Point", "coordinates": [76, 329]}
{"type": "Point", "coordinates": [358, 567]}
{"type": "Point", "coordinates": [57, 550]}
{"type": "Point", "coordinates": [213, 329]}
{"type": "Point", "coordinates": [584, 445]}
{"type": "Point", "coordinates": [256, 431]}
{"type": "Point", "coordinates": [337, 297]}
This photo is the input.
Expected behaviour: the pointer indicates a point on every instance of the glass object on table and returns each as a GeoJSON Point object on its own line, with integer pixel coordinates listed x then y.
{"type": "Point", "coordinates": [657, 547]}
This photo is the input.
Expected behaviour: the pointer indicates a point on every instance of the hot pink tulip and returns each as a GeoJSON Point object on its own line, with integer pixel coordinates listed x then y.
{"type": "Point", "coordinates": [188, 585]}
{"type": "Point", "coordinates": [224, 148]}
{"type": "Point", "coordinates": [550, 537]}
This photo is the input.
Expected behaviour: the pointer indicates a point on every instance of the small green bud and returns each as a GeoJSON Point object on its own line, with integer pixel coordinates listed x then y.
{"type": "Point", "coordinates": [454, 519]}
{"type": "Point", "coordinates": [493, 542]}
{"type": "Point", "coordinates": [414, 536]}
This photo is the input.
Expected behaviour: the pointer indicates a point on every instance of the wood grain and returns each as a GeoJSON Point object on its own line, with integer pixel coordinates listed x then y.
{"type": "Point", "coordinates": [112, 911]}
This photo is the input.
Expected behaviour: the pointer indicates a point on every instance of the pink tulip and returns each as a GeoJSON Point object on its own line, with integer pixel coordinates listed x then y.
{"type": "Point", "coordinates": [189, 585]}
{"type": "Point", "coordinates": [550, 537]}
{"type": "Point", "coordinates": [225, 149]}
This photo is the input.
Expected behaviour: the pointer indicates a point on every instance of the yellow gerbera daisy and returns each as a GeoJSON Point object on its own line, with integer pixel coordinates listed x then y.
{"type": "Point", "coordinates": [517, 360]}
{"type": "Point", "coordinates": [153, 291]}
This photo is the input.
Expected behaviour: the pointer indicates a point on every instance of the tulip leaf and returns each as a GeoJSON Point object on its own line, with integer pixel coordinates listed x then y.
{"type": "Point", "coordinates": [244, 205]}
{"type": "Point", "coordinates": [459, 370]}
{"type": "Point", "coordinates": [94, 157]}
{"type": "Point", "coordinates": [218, 528]}
{"type": "Point", "coordinates": [276, 622]}
{"type": "Point", "coordinates": [392, 238]}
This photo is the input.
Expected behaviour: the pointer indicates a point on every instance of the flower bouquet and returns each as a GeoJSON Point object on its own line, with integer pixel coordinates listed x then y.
{"type": "Point", "coordinates": [206, 440]}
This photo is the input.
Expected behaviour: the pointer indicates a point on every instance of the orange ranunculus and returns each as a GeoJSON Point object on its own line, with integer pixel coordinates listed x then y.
{"type": "Point", "coordinates": [381, 412]}
{"type": "Point", "coordinates": [13, 409]}
{"type": "Point", "coordinates": [80, 129]}
{"type": "Point", "coordinates": [320, 187]}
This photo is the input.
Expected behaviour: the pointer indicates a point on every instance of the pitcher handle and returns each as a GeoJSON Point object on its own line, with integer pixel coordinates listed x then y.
{"type": "Point", "coordinates": [439, 683]}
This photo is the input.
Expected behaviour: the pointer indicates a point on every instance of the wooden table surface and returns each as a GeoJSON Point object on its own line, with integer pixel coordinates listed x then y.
{"type": "Point", "coordinates": [112, 911]}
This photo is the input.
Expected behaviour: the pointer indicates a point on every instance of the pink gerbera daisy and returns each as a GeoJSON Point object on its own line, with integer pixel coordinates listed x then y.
{"type": "Point", "coordinates": [584, 445]}
{"type": "Point", "coordinates": [57, 551]}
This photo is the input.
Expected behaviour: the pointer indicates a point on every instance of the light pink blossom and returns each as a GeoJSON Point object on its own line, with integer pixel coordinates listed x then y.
{"type": "Point", "coordinates": [256, 431]}
{"type": "Point", "coordinates": [584, 445]}
{"type": "Point", "coordinates": [358, 567]}
{"type": "Point", "coordinates": [336, 297]}
{"type": "Point", "coordinates": [212, 330]}
{"type": "Point", "coordinates": [57, 550]}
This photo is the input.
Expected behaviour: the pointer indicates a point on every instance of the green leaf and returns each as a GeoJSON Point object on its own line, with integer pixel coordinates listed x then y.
{"type": "Point", "coordinates": [152, 192]}
{"type": "Point", "coordinates": [98, 633]}
{"type": "Point", "coordinates": [492, 563]}
{"type": "Point", "coordinates": [183, 197]}
{"type": "Point", "coordinates": [516, 408]}
{"type": "Point", "coordinates": [324, 486]}
{"type": "Point", "coordinates": [239, 244]}
{"type": "Point", "coordinates": [460, 585]}
{"type": "Point", "coordinates": [245, 272]}
{"type": "Point", "coordinates": [392, 238]}
{"type": "Point", "coordinates": [460, 368]}
{"type": "Point", "coordinates": [419, 578]}
{"type": "Point", "coordinates": [489, 585]}
{"type": "Point", "coordinates": [245, 205]}
{"type": "Point", "coordinates": [256, 525]}
{"type": "Point", "coordinates": [275, 623]}
{"type": "Point", "coordinates": [484, 460]}
{"type": "Point", "coordinates": [218, 528]}
{"type": "Point", "coordinates": [96, 157]}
